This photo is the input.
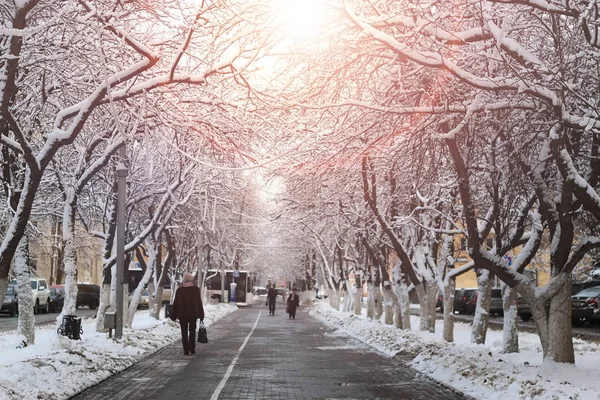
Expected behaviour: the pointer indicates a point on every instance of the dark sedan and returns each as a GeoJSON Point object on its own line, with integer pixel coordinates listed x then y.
{"type": "Point", "coordinates": [9, 303]}
{"type": "Point", "coordinates": [57, 298]}
{"type": "Point", "coordinates": [584, 306]}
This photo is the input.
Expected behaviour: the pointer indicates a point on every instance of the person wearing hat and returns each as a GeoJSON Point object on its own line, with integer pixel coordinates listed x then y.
{"type": "Point", "coordinates": [187, 307]}
{"type": "Point", "coordinates": [293, 302]}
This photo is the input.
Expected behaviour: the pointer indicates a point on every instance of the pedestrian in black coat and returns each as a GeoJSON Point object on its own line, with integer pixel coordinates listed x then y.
{"type": "Point", "coordinates": [293, 302]}
{"type": "Point", "coordinates": [271, 299]}
{"type": "Point", "coordinates": [187, 307]}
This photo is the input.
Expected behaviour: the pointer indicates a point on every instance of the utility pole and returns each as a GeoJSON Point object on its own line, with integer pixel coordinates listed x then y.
{"type": "Point", "coordinates": [121, 197]}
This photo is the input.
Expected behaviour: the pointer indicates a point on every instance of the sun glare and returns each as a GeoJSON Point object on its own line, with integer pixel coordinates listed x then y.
{"type": "Point", "coordinates": [302, 18]}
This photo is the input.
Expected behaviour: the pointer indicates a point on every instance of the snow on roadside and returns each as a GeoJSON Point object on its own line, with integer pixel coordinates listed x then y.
{"type": "Point", "coordinates": [481, 371]}
{"type": "Point", "coordinates": [57, 368]}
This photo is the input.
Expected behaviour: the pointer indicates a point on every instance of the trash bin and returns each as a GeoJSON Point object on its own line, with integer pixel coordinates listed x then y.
{"type": "Point", "coordinates": [71, 327]}
{"type": "Point", "coordinates": [168, 310]}
{"type": "Point", "coordinates": [232, 297]}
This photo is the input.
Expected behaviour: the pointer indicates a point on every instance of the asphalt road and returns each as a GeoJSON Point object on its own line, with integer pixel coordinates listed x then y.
{"type": "Point", "coordinates": [251, 355]}
{"type": "Point", "coordinates": [8, 323]}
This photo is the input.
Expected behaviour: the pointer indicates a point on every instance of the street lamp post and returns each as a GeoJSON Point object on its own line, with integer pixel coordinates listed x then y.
{"type": "Point", "coordinates": [121, 197]}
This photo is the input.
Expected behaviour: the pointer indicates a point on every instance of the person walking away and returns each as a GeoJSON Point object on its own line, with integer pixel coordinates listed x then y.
{"type": "Point", "coordinates": [293, 302]}
{"type": "Point", "coordinates": [271, 299]}
{"type": "Point", "coordinates": [187, 307]}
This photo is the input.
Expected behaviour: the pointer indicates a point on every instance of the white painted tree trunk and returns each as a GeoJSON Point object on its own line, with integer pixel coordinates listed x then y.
{"type": "Point", "coordinates": [427, 294]}
{"type": "Point", "coordinates": [481, 319]}
{"type": "Point", "coordinates": [157, 305]}
{"type": "Point", "coordinates": [69, 257]}
{"type": "Point", "coordinates": [403, 322]}
{"type": "Point", "coordinates": [26, 321]}
{"type": "Point", "coordinates": [334, 299]}
{"type": "Point", "coordinates": [510, 325]}
{"type": "Point", "coordinates": [377, 302]}
{"type": "Point", "coordinates": [370, 302]}
{"type": "Point", "coordinates": [137, 293]}
{"type": "Point", "coordinates": [102, 307]}
{"type": "Point", "coordinates": [389, 302]}
{"type": "Point", "coordinates": [358, 301]}
{"type": "Point", "coordinates": [449, 291]}
{"type": "Point", "coordinates": [349, 299]}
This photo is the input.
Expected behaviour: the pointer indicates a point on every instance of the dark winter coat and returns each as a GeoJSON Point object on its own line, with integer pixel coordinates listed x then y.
{"type": "Point", "coordinates": [187, 304]}
{"type": "Point", "coordinates": [272, 294]}
{"type": "Point", "coordinates": [293, 302]}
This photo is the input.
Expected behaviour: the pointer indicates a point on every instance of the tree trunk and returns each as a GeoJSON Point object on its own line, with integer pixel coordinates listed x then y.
{"type": "Point", "coordinates": [157, 305]}
{"type": "Point", "coordinates": [137, 293]}
{"type": "Point", "coordinates": [560, 335]}
{"type": "Point", "coordinates": [427, 294]}
{"type": "Point", "coordinates": [69, 257]}
{"type": "Point", "coordinates": [370, 301]}
{"type": "Point", "coordinates": [403, 312]}
{"type": "Point", "coordinates": [3, 287]}
{"type": "Point", "coordinates": [449, 291]}
{"type": "Point", "coordinates": [511, 325]}
{"type": "Point", "coordinates": [103, 306]}
{"type": "Point", "coordinates": [377, 302]}
{"type": "Point", "coordinates": [481, 319]}
{"type": "Point", "coordinates": [334, 298]}
{"type": "Point", "coordinates": [349, 299]}
{"type": "Point", "coordinates": [26, 322]}
{"type": "Point", "coordinates": [358, 301]}
{"type": "Point", "coordinates": [388, 302]}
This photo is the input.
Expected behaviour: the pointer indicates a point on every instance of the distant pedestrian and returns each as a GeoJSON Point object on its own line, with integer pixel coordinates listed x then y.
{"type": "Point", "coordinates": [187, 307]}
{"type": "Point", "coordinates": [271, 299]}
{"type": "Point", "coordinates": [293, 302]}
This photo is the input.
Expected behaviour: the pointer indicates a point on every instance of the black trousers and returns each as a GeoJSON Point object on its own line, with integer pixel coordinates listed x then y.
{"type": "Point", "coordinates": [272, 306]}
{"type": "Point", "coordinates": [292, 312]}
{"type": "Point", "coordinates": [188, 334]}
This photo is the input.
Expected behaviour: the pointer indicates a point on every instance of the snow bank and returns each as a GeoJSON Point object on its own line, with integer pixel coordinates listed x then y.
{"type": "Point", "coordinates": [57, 368]}
{"type": "Point", "coordinates": [481, 371]}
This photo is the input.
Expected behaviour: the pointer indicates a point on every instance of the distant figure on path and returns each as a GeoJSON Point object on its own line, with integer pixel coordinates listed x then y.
{"type": "Point", "coordinates": [187, 307]}
{"type": "Point", "coordinates": [271, 299]}
{"type": "Point", "coordinates": [293, 302]}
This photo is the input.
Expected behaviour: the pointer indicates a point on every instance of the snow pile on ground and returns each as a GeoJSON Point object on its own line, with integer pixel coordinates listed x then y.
{"type": "Point", "coordinates": [481, 371]}
{"type": "Point", "coordinates": [57, 368]}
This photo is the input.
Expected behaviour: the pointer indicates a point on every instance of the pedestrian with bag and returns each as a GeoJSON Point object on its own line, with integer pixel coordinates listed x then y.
{"type": "Point", "coordinates": [271, 299]}
{"type": "Point", "coordinates": [293, 302]}
{"type": "Point", "coordinates": [187, 307]}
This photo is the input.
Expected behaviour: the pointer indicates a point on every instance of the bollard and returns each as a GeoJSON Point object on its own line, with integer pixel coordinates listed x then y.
{"type": "Point", "coordinates": [71, 327]}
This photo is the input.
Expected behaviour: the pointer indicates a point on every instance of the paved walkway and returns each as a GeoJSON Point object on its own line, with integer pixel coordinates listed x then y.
{"type": "Point", "coordinates": [252, 355]}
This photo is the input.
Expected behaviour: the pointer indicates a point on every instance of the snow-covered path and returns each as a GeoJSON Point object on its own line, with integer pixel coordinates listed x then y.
{"type": "Point", "coordinates": [481, 371]}
{"type": "Point", "coordinates": [57, 368]}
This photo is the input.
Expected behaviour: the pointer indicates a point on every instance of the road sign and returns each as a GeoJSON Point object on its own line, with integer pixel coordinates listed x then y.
{"type": "Point", "coordinates": [508, 260]}
{"type": "Point", "coordinates": [236, 273]}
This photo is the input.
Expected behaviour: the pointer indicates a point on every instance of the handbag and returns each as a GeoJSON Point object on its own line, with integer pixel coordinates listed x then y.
{"type": "Point", "coordinates": [202, 335]}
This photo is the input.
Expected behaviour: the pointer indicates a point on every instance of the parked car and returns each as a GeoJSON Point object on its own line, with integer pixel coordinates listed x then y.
{"type": "Point", "coordinates": [88, 294]}
{"type": "Point", "coordinates": [57, 298]}
{"type": "Point", "coordinates": [471, 303]}
{"type": "Point", "coordinates": [461, 297]}
{"type": "Point", "coordinates": [40, 293]}
{"type": "Point", "coordinates": [496, 306]}
{"type": "Point", "coordinates": [584, 306]}
{"type": "Point", "coordinates": [523, 309]}
{"type": "Point", "coordinates": [579, 286]}
{"type": "Point", "coordinates": [9, 303]}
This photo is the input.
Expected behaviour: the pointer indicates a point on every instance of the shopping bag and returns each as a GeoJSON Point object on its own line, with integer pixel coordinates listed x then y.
{"type": "Point", "coordinates": [202, 335]}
